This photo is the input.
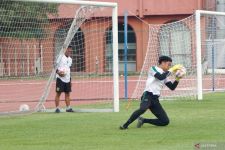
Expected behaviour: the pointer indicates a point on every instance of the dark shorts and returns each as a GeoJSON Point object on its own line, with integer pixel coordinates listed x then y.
{"type": "Point", "coordinates": [151, 102]}
{"type": "Point", "coordinates": [62, 86]}
{"type": "Point", "coordinates": [148, 100]}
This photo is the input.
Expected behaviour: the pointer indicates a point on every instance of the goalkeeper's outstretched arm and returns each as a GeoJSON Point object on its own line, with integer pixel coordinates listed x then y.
{"type": "Point", "coordinates": [172, 85]}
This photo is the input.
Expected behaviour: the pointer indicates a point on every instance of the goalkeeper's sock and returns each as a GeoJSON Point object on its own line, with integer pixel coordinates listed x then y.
{"type": "Point", "coordinates": [133, 117]}
{"type": "Point", "coordinates": [123, 128]}
{"type": "Point", "coordinates": [68, 107]}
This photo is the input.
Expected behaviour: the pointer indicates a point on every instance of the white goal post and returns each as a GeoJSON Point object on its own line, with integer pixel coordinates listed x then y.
{"type": "Point", "coordinates": [90, 28]}
{"type": "Point", "coordinates": [198, 15]}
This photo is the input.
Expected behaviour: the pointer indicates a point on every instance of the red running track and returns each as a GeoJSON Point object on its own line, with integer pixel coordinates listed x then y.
{"type": "Point", "coordinates": [13, 93]}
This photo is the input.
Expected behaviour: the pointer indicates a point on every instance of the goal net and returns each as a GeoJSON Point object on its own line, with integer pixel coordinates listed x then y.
{"type": "Point", "coordinates": [203, 56]}
{"type": "Point", "coordinates": [33, 39]}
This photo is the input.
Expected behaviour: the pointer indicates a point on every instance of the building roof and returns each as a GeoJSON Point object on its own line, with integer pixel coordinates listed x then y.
{"type": "Point", "coordinates": [141, 8]}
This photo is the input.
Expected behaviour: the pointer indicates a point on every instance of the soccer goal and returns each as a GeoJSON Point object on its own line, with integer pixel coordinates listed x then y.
{"type": "Point", "coordinates": [198, 43]}
{"type": "Point", "coordinates": [34, 35]}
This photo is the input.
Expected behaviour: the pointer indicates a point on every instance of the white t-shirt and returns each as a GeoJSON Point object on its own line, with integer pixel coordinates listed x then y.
{"type": "Point", "coordinates": [65, 63]}
{"type": "Point", "coordinates": [153, 84]}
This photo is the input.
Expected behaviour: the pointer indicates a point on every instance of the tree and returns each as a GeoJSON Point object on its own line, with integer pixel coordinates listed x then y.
{"type": "Point", "coordinates": [25, 20]}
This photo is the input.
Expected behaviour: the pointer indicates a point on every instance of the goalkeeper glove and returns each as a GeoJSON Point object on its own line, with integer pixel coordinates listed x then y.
{"type": "Point", "coordinates": [175, 68]}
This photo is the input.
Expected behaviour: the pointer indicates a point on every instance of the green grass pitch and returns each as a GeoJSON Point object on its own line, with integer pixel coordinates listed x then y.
{"type": "Point", "coordinates": [191, 122]}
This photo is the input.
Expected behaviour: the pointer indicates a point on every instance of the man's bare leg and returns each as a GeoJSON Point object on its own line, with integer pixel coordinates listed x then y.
{"type": "Point", "coordinates": [67, 100]}
{"type": "Point", "coordinates": [57, 99]}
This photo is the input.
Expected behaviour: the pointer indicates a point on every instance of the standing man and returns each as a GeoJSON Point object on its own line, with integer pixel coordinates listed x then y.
{"type": "Point", "coordinates": [157, 77]}
{"type": "Point", "coordinates": [63, 80]}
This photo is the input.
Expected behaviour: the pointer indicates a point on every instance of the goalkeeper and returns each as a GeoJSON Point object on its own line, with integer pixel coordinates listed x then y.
{"type": "Point", "coordinates": [157, 77]}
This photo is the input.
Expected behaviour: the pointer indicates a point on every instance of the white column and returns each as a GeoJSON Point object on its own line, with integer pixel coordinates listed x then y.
{"type": "Point", "coordinates": [15, 57]}
{"type": "Point", "coordinates": [35, 57]}
{"type": "Point", "coordinates": [1, 62]}
{"type": "Point", "coordinates": [9, 63]}
{"type": "Point", "coordinates": [115, 58]}
{"type": "Point", "coordinates": [1, 51]}
{"type": "Point", "coordinates": [41, 58]}
{"type": "Point", "coordinates": [28, 60]}
{"type": "Point", "coordinates": [198, 54]}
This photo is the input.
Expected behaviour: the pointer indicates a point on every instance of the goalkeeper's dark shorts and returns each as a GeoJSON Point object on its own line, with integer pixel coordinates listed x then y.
{"type": "Point", "coordinates": [148, 100]}
{"type": "Point", "coordinates": [62, 86]}
{"type": "Point", "coordinates": [151, 102]}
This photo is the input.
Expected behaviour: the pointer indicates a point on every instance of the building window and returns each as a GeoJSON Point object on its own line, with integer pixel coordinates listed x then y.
{"type": "Point", "coordinates": [60, 36]}
{"type": "Point", "coordinates": [78, 54]}
{"type": "Point", "coordinates": [78, 48]}
{"type": "Point", "coordinates": [131, 51]}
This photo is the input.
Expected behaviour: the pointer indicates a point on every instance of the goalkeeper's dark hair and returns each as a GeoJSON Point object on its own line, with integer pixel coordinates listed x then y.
{"type": "Point", "coordinates": [164, 59]}
{"type": "Point", "coordinates": [70, 46]}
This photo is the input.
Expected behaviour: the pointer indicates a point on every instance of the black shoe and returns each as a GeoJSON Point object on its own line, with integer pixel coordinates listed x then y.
{"type": "Point", "coordinates": [70, 110]}
{"type": "Point", "coordinates": [123, 128]}
{"type": "Point", "coordinates": [140, 122]}
{"type": "Point", "coordinates": [57, 110]}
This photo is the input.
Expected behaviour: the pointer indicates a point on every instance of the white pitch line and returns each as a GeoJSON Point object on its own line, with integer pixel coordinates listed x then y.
{"type": "Point", "coordinates": [27, 83]}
